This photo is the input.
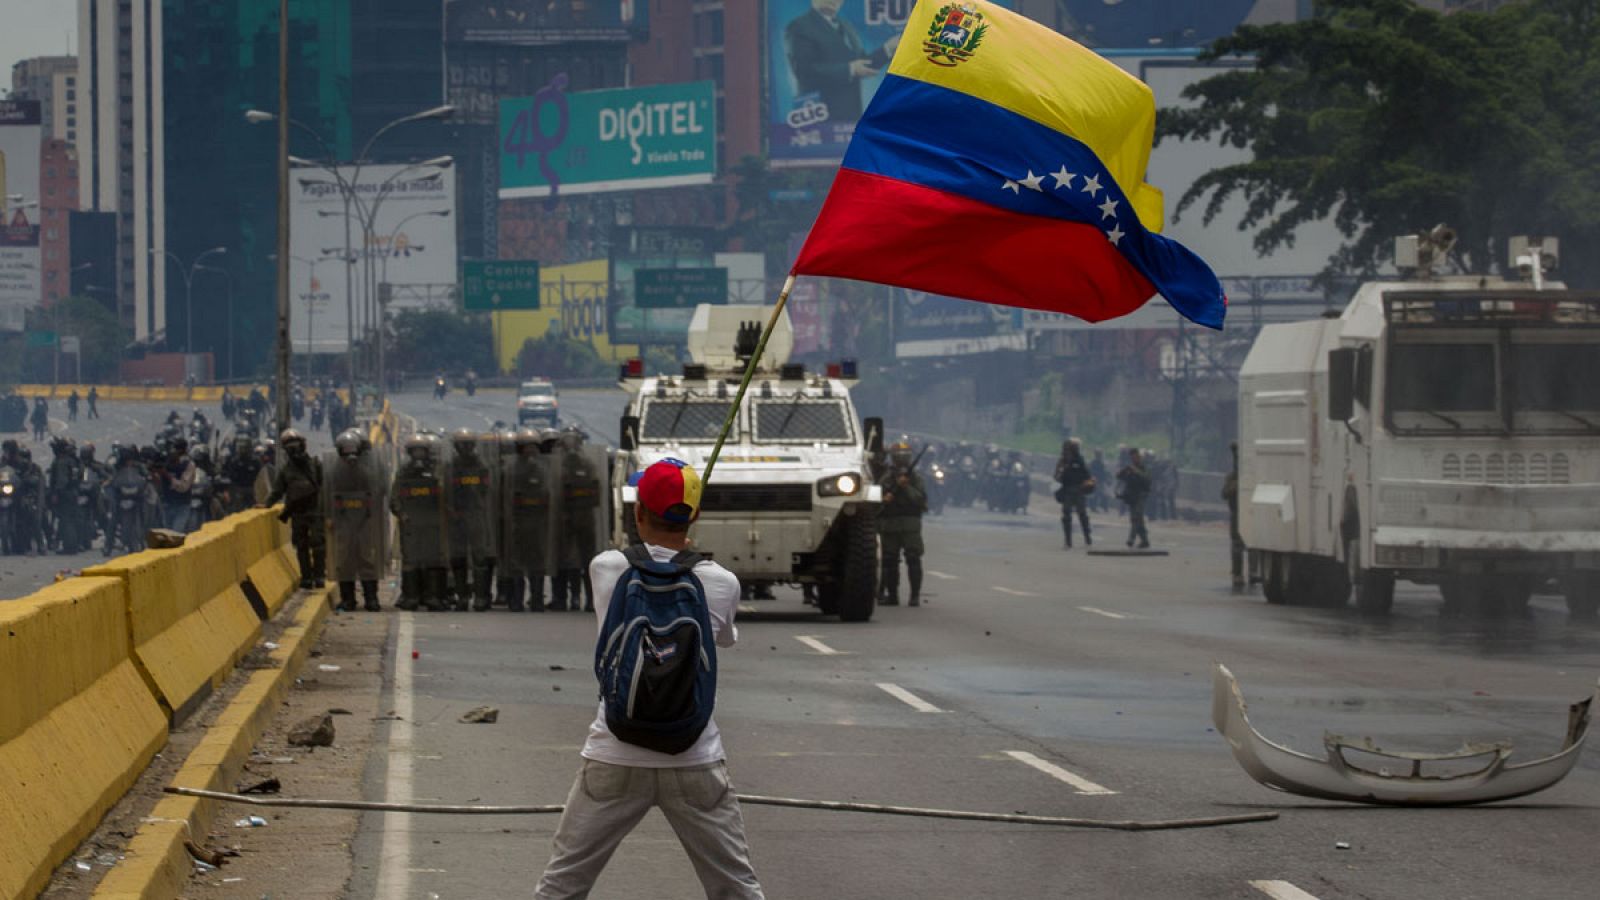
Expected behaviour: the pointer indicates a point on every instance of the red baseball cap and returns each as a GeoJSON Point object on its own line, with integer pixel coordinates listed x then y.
{"type": "Point", "coordinates": [671, 489]}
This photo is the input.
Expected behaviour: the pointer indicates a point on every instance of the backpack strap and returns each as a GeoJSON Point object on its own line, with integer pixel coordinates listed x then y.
{"type": "Point", "coordinates": [682, 562]}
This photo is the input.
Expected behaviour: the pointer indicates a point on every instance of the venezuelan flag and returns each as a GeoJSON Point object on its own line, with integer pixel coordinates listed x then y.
{"type": "Point", "coordinates": [1004, 163]}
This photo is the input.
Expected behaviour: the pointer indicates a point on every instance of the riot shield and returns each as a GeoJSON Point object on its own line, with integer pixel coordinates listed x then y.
{"type": "Point", "coordinates": [355, 493]}
{"type": "Point", "coordinates": [471, 481]}
{"type": "Point", "coordinates": [416, 497]}
{"type": "Point", "coordinates": [527, 515]}
{"type": "Point", "coordinates": [582, 520]}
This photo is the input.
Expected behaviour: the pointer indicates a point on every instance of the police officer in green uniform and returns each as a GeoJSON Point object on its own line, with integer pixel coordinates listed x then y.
{"type": "Point", "coordinates": [900, 525]}
{"type": "Point", "coordinates": [417, 500]}
{"type": "Point", "coordinates": [525, 554]}
{"type": "Point", "coordinates": [576, 536]}
{"type": "Point", "coordinates": [355, 489]}
{"type": "Point", "coordinates": [298, 482]}
{"type": "Point", "coordinates": [469, 507]}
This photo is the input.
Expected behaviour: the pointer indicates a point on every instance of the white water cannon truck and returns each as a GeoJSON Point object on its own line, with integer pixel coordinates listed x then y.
{"type": "Point", "coordinates": [791, 499]}
{"type": "Point", "coordinates": [1441, 430]}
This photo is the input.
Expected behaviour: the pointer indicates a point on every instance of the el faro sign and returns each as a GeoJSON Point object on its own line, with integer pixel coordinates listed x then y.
{"type": "Point", "coordinates": [556, 143]}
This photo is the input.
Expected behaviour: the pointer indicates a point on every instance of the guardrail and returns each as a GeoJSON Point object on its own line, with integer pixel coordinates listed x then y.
{"type": "Point", "coordinates": [96, 669]}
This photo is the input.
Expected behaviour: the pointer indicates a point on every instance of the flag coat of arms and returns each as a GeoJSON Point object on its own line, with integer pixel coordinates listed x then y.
{"type": "Point", "coordinates": [1004, 163]}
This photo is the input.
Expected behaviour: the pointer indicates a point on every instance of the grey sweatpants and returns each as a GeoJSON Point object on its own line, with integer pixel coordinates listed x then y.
{"type": "Point", "coordinates": [607, 801]}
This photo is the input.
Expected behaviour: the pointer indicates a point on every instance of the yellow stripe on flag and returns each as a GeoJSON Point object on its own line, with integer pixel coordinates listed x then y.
{"type": "Point", "coordinates": [1034, 72]}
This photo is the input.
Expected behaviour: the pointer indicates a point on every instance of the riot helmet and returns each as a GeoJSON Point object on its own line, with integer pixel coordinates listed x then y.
{"type": "Point", "coordinates": [293, 442]}
{"type": "Point", "coordinates": [900, 454]}
{"type": "Point", "coordinates": [418, 449]}
{"type": "Point", "coordinates": [571, 438]}
{"type": "Point", "coordinates": [348, 443]}
{"type": "Point", "coordinates": [527, 441]}
{"type": "Point", "coordinates": [464, 441]}
{"type": "Point", "coordinates": [86, 452]}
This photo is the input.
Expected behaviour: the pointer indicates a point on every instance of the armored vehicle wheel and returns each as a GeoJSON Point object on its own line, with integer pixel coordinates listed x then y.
{"type": "Point", "coordinates": [1583, 595]}
{"type": "Point", "coordinates": [1275, 582]}
{"type": "Point", "coordinates": [855, 593]}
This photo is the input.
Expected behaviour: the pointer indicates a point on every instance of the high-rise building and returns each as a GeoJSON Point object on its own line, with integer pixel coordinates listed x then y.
{"type": "Point", "coordinates": [53, 81]}
{"type": "Point", "coordinates": [121, 146]}
{"type": "Point", "coordinates": [58, 199]}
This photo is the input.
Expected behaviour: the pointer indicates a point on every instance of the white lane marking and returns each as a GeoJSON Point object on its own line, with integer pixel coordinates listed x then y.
{"type": "Point", "coordinates": [1100, 612]}
{"type": "Point", "coordinates": [394, 857]}
{"type": "Point", "coordinates": [942, 576]}
{"type": "Point", "coordinates": [817, 645]}
{"type": "Point", "coordinates": [1080, 784]}
{"type": "Point", "coordinates": [1281, 890]}
{"type": "Point", "coordinates": [908, 698]}
{"type": "Point", "coordinates": [1006, 590]}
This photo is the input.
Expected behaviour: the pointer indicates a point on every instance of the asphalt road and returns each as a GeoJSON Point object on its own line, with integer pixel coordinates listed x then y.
{"type": "Point", "coordinates": [1036, 680]}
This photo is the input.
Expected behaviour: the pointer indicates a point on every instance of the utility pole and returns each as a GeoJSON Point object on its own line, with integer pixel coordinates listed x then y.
{"type": "Point", "coordinates": [282, 411]}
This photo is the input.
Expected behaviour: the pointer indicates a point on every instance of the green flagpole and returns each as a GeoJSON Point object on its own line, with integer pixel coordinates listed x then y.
{"type": "Point", "coordinates": [749, 372]}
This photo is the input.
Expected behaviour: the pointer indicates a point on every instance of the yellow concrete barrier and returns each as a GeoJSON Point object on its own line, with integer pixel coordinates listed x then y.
{"type": "Point", "coordinates": [156, 865]}
{"type": "Point", "coordinates": [261, 537]}
{"type": "Point", "coordinates": [190, 619]}
{"type": "Point", "coordinates": [77, 723]}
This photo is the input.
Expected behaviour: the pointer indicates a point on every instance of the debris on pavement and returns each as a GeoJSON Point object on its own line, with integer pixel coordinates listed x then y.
{"type": "Point", "coordinates": [483, 715]}
{"type": "Point", "coordinates": [250, 822]}
{"type": "Point", "coordinates": [316, 731]}
{"type": "Point", "coordinates": [269, 786]}
{"type": "Point", "coordinates": [214, 858]}
{"type": "Point", "coordinates": [1405, 779]}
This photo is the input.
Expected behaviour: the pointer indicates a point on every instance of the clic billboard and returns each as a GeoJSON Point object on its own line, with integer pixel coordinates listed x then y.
{"type": "Point", "coordinates": [20, 282]}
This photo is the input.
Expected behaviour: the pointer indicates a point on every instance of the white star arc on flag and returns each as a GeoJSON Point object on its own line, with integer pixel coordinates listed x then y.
{"type": "Point", "coordinates": [1115, 234]}
{"type": "Point", "coordinates": [1063, 178]}
{"type": "Point", "coordinates": [1108, 209]}
{"type": "Point", "coordinates": [1032, 181]}
{"type": "Point", "coordinates": [1091, 185]}
{"type": "Point", "coordinates": [1010, 186]}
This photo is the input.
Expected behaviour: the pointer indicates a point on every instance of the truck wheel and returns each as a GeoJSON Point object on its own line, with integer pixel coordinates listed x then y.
{"type": "Point", "coordinates": [1275, 581]}
{"type": "Point", "coordinates": [1374, 589]}
{"type": "Point", "coordinates": [857, 586]}
{"type": "Point", "coordinates": [1583, 595]}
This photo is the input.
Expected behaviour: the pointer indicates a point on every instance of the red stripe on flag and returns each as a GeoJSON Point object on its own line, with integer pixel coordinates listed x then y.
{"type": "Point", "coordinates": [879, 229]}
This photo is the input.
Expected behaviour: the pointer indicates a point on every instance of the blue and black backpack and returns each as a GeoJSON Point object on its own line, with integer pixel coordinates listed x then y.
{"type": "Point", "coordinates": [656, 659]}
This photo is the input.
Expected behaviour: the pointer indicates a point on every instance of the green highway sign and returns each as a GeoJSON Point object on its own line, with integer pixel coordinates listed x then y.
{"type": "Point", "coordinates": [492, 285]}
{"type": "Point", "coordinates": [679, 288]}
{"type": "Point", "coordinates": [41, 339]}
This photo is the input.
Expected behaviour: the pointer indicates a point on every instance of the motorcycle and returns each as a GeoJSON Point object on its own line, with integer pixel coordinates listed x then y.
{"type": "Point", "coordinates": [472, 385]}
{"type": "Point", "coordinates": [439, 388]}
{"type": "Point", "coordinates": [938, 490]}
{"type": "Point", "coordinates": [995, 486]}
{"type": "Point", "coordinates": [964, 482]}
{"type": "Point", "coordinates": [127, 516]}
{"type": "Point", "coordinates": [1018, 487]}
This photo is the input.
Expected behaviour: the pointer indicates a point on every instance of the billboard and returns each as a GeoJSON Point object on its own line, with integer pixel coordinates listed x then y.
{"type": "Point", "coordinates": [412, 244]}
{"type": "Point", "coordinates": [554, 142]}
{"type": "Point", "coordinates": [573, 303]}
{"type": "Point", "coordinates": [933, 325]}
{"type": "Point", "coordinates": [1160, 23]}
{"type": "Point", "coordinates": [542, 23]}
{"type": "Point", "coordinates": [20, 283]}
{"type": "Point", "coordinates": [822, 70]}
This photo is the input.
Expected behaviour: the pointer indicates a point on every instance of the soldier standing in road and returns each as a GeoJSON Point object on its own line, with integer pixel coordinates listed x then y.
{"type": "Point", "coordinates": [94, 402]}
{"type": "Point", "coordinates": [524, 560]}
{"type": "Point", "coordinates": [900, 525]}
{"type": "Point", "coordinates": [355, 492]}
{"type": "Point", "coordinates": [40, 419]}
{"type": "Point", "coordinates": [417, 499]}
{"type": "Point", "coordinates": [576, 536]}
{"type": "Point", "coordinates": [299, 484]}
{"type": "Point", "coordinates": [30, 506]}
{"type": "Point", "coordinates": [1076, 486]}
{"type": "Point", "coordinates": [469, 507]}
{"type": "Point", "coordinates": [1230, 496]}
{"type": "Point", "coordinates": [72, 406]}
{"type": "Point", "coordinates": [71, 521]}
{"type": "Point", "coordinates": [1134, 490]}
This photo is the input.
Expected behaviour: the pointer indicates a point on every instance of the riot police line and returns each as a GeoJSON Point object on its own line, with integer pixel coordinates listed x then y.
{"type": "Point", "coordinates": [477, 519]}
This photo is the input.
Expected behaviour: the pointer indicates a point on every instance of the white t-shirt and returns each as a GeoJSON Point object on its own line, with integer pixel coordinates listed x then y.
{"type": "Point", "coordinates": [722, 601]}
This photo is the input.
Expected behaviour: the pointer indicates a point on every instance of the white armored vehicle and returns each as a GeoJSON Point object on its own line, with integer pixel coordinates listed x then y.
{"type": "Point", "coordinates": [791, 499]}
{"type": "Point", "coordinates": [1442, 430]}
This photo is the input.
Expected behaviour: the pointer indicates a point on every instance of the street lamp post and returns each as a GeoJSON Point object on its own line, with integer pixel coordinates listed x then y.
{"type": "Point", "coordinates": [348, 188]}
{"type": "Point", "coordinates": [227, 284]}
{"type": "Point", "coordinates": [383, 310]}
{"type": "Point", "coordinates": [188, 294]}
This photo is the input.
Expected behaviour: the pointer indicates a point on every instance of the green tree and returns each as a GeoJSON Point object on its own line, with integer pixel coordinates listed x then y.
{"type": "Point", "coordinates": [101, 339]}
{"type": "Point", "coordinates": [1390, 118]}
{"type": "Point", "coordinates": [433, 340]}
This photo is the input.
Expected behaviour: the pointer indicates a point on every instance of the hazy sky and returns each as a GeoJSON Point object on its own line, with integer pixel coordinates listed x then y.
{"type": "Point", "coordinates": [35, 28]}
